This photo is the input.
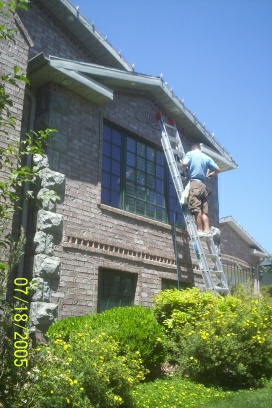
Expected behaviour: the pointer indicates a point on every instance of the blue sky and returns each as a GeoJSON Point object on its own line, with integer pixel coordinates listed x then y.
{"type": "Point", "coordinates": [217, 56]}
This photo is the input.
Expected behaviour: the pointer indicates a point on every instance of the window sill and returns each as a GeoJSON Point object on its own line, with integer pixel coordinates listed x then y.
{"type": "Point", "coordinates": [140, 218]}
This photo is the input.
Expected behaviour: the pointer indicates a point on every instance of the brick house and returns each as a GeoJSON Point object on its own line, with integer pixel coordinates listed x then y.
{"type": "Point", "coordinates": [242, 255]}
{"type": "Point", "coordinates": [111, 238]}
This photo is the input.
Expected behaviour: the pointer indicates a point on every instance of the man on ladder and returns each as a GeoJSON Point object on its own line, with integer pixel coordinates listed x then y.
{"type": "Point", "coordinates": [197, 167]}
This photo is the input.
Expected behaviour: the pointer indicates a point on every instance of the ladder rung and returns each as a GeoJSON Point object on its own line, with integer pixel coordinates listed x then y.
{"type": "Point", "coordinates": [212, 256]}
{"type": "Point", "coordinates": [173, 139]}
{"type": "Point", "coordinates": [170, 126]}
{"type": "Point", "coordinates": [177, 152]}
{"type": "Point", "coordinates": [217, 271]}
{"type": "Point", "coordinates": [220, 289]}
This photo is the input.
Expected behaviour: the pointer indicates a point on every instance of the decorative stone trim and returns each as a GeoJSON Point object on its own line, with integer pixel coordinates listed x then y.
{"type": "Point", "coordinates": [47, 267]}
{"type": "Point", "coordinates": [106, 248]}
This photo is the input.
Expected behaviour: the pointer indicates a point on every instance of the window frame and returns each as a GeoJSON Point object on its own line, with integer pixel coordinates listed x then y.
{"type": "Point", "coordinates": [116, 193]}
{"type": "Point", "coordinates": [108, 281]}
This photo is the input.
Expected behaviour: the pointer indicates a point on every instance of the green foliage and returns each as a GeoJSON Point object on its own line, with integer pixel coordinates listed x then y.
{"type": "Point", "coordinates": [9, 374]}
{"type": "Point", "coordinates": [134, 328]}
{"type": "Point", "coordinates": [17, 175]}
{"type": "Point", "coordinates": [7, 9]}
{"type": "Point", "coordinates": [85, 372]}
{"type": "Point", "coordinates": [175, 392]}
{"type": "Point", "coordinates": [223, 341]}
{"type": "Point", "coordinates": [267, 291]}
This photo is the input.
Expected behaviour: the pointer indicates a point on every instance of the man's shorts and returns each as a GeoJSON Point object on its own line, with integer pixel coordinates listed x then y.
{"type": "Point", "coordinates": [197, 200]}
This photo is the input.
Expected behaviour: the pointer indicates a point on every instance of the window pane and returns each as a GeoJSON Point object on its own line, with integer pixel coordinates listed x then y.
{"type": "Point", "coordinates": [116, 137]}
{"type": "Point", "coordinates": [150, 211]}
{"type": "Point", "coordinates": [131, 145]}
{"type": "Point", "coordinates": [115, 167]}
{"type": "Point", "coordinates": [160, 200]}
{"type": "Point", "coordinates": [160, 172]}
{"type": "Point", "coordinates": [140, 207]}
{"type": "Point", "coordinates": [115, 185]}
{"type": "Point", "coordinates": [105, 196]}
{"type": "Point", "coordinates": [150, 154]}
{"type": "Point", "coordinates": [140, 149]}
{"type": "Point", "coordinates": [107, 133]}
{"type": "Point", "coordinates": [131, 159]}
{"type": "Point", "coordinates": [160, 186]}
{"type": "Point", "coordinates": [152, 197]}
{"type": "Point", "coordinates": [115, 289]}
{"type": "Point", "coordinates": [107, 148]}
{"type": "Point", "coordinates": [160, 215]}
{"type": "Point", "coordinates": [116, 152]}
{"type": "Point", "coordinates": [141, 163]}
{"type": "Point", "coordinates": [150, 168]}
{"type": "Point", "coordinates": [160, 158]}
{"type": "Point", "coordinates": [106, 163]}
{"type": "Point", "coordinates": [111, 167]}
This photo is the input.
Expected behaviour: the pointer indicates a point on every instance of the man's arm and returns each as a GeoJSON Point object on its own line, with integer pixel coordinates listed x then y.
{"type": "Point", "coordinates": [213, 173]}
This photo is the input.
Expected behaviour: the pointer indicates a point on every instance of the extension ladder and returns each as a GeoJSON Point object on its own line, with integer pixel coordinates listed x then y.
{"type": "Point", "coordinates": [213, 274]}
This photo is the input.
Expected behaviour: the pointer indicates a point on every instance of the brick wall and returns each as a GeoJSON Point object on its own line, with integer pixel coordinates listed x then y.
{"type": "Point", "coordinates": [96, 235]}
{"type": "Point", "coordinates": [13, 54]}
{"type": "Point", "coordinates": [233, 244]}
{"type": "Point", "coordinates": [49, 36]}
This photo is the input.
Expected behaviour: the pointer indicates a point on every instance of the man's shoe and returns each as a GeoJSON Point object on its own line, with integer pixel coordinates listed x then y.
{"type": "Point", "coordinates": [203, 234]}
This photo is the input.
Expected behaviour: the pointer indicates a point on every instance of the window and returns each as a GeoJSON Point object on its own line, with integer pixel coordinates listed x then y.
{"type": "Point", "coordinates": [173, 284]}
{"type": "Point", "coordinates": [115, 289]}
{"type": "Point", "coordinates": [135, 177]}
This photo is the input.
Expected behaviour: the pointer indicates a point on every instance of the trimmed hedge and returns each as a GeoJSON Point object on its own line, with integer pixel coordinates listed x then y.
{"type": "Point", "coordinates": [134, 328]}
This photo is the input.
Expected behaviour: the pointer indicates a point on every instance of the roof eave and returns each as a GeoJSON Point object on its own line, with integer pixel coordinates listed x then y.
{"type": "Point", "coordinates": [86, 33]}
{"type": "Point", "coordinates": [257, 249]}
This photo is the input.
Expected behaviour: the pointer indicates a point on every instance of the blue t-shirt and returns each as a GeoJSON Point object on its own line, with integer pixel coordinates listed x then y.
{"type": "Point", "coordinates": [198, 165]}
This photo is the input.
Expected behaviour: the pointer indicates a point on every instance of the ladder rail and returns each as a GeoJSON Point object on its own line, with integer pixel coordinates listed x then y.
{"type": "Point", "coordinates": [217, 282]}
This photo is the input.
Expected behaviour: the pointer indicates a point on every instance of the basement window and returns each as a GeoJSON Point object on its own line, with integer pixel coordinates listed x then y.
{"type": "Point", "coordinates": [136, 179]}
{"type": "Point", "coordinates": [115, 289]}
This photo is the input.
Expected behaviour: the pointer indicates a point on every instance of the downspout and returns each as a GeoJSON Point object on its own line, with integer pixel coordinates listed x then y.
{"type": "Point", "coordinates": [176, 251]}
{"type": "Point", "coordinates": [27, 184]}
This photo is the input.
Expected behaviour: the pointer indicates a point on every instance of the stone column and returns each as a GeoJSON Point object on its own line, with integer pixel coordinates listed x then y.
{"type": "Point", "coordinates": [46, 269]}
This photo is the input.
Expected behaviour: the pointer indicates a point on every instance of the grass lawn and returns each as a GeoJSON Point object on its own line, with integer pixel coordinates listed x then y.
{"type": "Point", "coordinates": [261, 398]}
{"type": "Point", "coordinates": [180, 393]}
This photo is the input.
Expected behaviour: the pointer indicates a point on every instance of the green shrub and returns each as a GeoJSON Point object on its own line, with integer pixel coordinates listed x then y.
{"type": "Point", "coordinates": [135, 329]}
{"type": "Point", "coordinates": [218, 340]}
{"type": "Point", "coordinates": [266, 290]}
{"type": "Point", "coordinates": [85, 372]}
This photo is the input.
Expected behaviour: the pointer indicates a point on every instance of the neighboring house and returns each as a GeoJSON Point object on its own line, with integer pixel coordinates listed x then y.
{"type": "Point", "coordinates": [265, 276]}
{"type": "Point", "coordinates": [111, 239]}
{"type": "Point", "coordinates": [241, 254]}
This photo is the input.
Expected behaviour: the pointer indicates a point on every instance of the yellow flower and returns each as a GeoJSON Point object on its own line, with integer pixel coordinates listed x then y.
{"type": "Point", "coordinates": [75, 381]}
{"type": "Point", "coordinates": [51, 392]}
{"type": "Point", "coordinates": [68, 401]}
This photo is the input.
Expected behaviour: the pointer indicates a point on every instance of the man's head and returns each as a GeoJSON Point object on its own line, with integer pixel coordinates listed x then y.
{"type": "Point", "coordinates": [195, 146]}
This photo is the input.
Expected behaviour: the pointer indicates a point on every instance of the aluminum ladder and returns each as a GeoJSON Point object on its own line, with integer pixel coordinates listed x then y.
{"type": "Point", "coordinates": [213, 274]}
